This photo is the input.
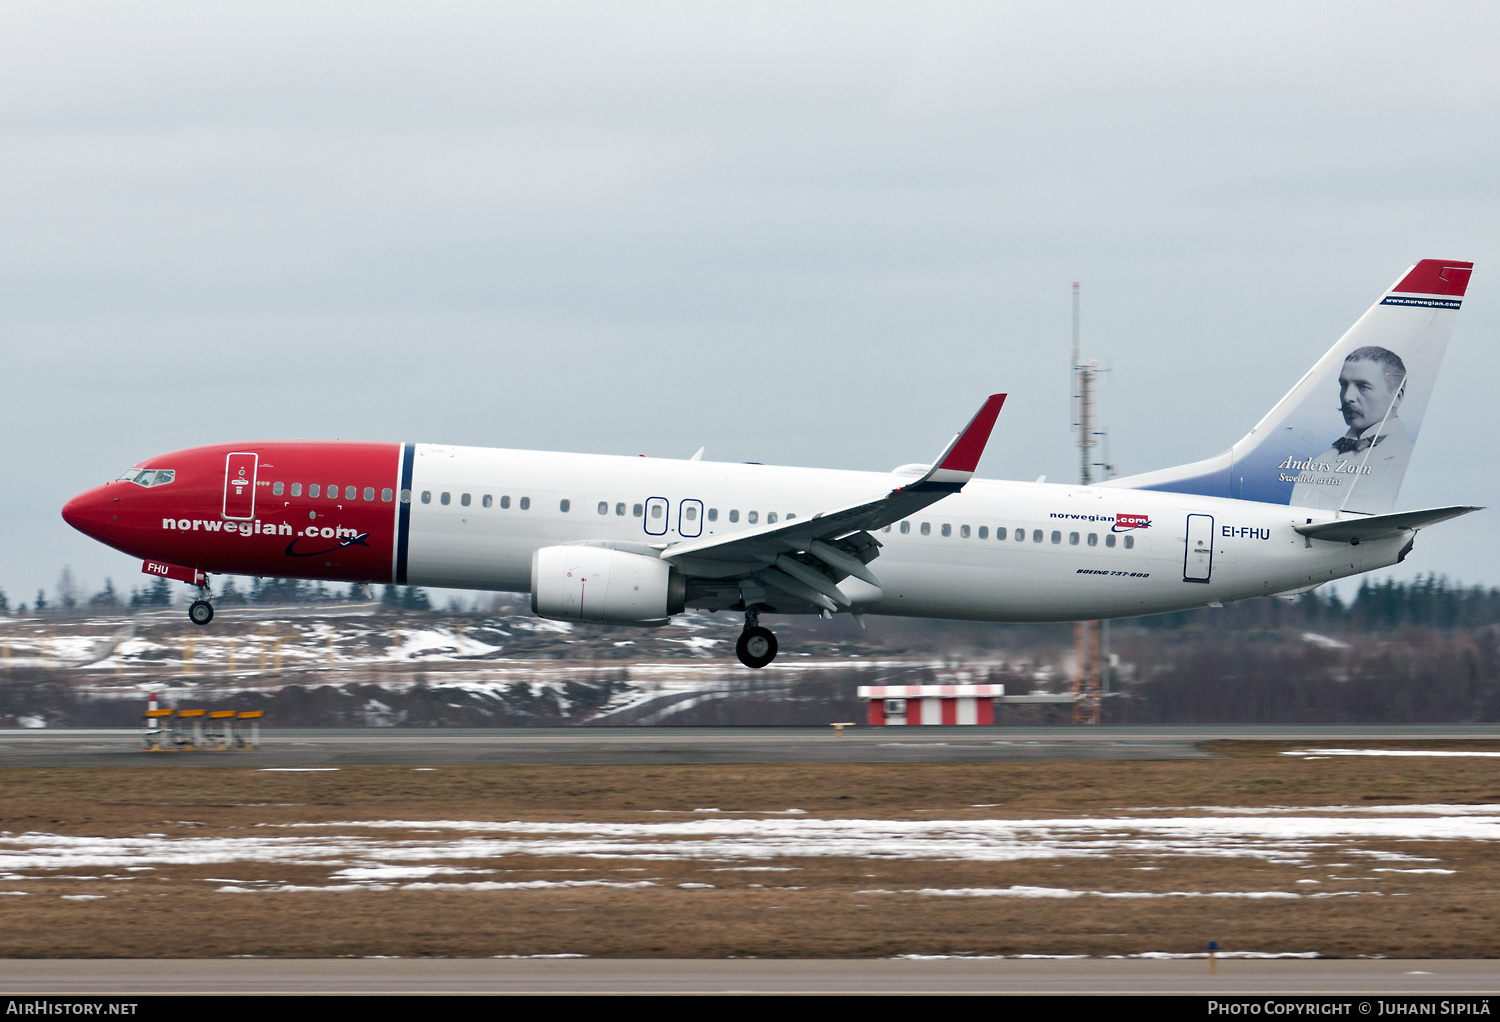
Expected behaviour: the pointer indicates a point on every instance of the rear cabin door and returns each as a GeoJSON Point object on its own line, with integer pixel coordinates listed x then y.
{"type": "Point", "coordinates": [239, 486]}
{"type": "Point", "coordinates": [1198, 560]}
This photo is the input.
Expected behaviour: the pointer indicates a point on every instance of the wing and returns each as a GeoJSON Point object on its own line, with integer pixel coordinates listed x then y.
{"type": "Point", "coordinates": [805, 558]}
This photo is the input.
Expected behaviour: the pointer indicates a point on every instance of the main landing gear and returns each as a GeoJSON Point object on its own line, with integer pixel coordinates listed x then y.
{"type": "Point", "coordinates": [201, 612]}
{"type": "Point", "coordinates": [757, 646]}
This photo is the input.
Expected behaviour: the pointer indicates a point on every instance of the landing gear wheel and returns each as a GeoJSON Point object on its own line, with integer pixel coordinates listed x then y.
{"type": "Point", "coordinates": [202, 612]}
{"type": "Point", "coordinates": [756, 648]}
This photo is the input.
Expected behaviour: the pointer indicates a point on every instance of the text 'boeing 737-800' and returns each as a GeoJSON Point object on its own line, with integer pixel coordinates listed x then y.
{"type": "Point", "coordinates": [1307, 496]}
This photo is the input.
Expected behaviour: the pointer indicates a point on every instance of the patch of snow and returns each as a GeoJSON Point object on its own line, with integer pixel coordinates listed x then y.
{"type": "Point", "coordinates": [1322, 753]}
{"type": "Point", "coordinates": [1323, 641]}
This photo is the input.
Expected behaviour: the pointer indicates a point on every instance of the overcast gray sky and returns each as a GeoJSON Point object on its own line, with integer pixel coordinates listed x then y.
{"type": "Point", "coordinates": [812, 234]}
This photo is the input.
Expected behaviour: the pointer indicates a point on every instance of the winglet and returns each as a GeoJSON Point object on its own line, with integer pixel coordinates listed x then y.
{"type": "Point", "coordinates": [956, 465]}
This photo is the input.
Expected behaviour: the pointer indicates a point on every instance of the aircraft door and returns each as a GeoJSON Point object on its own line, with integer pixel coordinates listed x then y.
{"type": "Point", "coordinates": [657, 518]}
{"type": "Point", "coordinates": [1198, 559]}
{"type": "Point", "coordinates": [239, 486]}
{"type": "Point", "coordinates": [690, 518]}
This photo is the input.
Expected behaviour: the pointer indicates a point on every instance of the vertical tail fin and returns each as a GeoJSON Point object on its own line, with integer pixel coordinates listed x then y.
{"type": "Point", "coordinates": [1343, 436]}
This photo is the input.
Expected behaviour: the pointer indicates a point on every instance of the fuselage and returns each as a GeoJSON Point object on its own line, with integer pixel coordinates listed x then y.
{"type": "Point", "coordinates": [466, 517]}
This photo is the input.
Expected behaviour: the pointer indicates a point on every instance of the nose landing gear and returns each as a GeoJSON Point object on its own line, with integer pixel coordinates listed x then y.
{"type": "Point", "coordinates": [201, 612]}
{"type": "Point", "coordinates": [756, 646]}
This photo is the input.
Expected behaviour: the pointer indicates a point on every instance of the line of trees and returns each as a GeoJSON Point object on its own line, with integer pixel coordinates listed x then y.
{"type": "Point", "coordinates": [160, 593]}
{"type": "Point", "coordinates": [1428, 601]}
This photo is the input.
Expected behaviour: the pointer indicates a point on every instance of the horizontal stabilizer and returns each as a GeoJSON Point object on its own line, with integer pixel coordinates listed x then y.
{"type": "Point", "coordinates": [1347, 530]}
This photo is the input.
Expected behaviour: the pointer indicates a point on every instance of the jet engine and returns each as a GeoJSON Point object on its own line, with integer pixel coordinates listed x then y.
{"type": "Point", "coordinates": [593, 583]}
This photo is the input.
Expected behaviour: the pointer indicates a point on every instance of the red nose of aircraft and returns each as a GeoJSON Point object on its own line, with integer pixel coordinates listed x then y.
{"type": "Point", "coordinates": [95, 512]}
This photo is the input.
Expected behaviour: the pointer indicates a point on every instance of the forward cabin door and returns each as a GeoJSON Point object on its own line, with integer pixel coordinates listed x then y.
{"type": "Point", "coordinates": [1198, 560]}
{"type": "Point", "coordinates": [239, 486]}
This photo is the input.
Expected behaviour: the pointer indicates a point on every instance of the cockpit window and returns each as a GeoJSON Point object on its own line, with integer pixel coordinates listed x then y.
{"type": "Point", "coordinates": [149, 476]}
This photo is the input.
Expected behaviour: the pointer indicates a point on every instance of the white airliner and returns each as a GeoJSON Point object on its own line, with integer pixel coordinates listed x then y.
{"type": "Point", "coordinates": [1307, 496]}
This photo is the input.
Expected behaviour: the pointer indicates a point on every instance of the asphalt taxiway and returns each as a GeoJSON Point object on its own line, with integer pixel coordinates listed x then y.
{"type": "Point", "coordinates": [332, 747]}
{"type": "Point", "coordinates": [1363, 982]}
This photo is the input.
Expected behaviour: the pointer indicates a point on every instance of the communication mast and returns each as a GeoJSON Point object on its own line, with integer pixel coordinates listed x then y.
{"type": "Point", "coordinates": [1086, 675]}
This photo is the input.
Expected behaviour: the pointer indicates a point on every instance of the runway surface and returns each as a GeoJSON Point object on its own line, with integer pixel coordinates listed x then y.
{"type": "Point", "coordinates": [1360, 980]}
{"type": "Point", "coordinates": [331, 747]}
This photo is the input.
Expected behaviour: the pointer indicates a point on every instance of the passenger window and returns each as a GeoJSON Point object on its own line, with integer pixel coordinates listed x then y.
{"type": "Point", "coordinates": [464, 499]}
{"type": "Point", "coordinates": [386, 494]}
{"type": "Point", "coordinates": [1129, 542]}
{"type": "Point", "coordinates": [947, 529]}
{"type": "Point", "coordinates": [1036, 535]}
{"type": "Point", "coordinates": [963, 532]}
{"type": "Point", "coordinates": [314, 490]}
{"type": "Point", "coordinates": [655, 510]}
{"type": "Point", "coordinates": [276, 488]}
{"type": "Point", "coordinates": [445, 498]}
{"type": "Point", "coordinates": [770, 517]}
{"type": "Point", "coordinates": [1109, 539]}
{"type": "Point", "coordinates": [1093, 539]}
{"type": "Point", "coordinates": [505, 501]}
{"type": "Point", "coordinates": [333, 491]}
{"type": "Point", "coordinates": [1072, 539]}
{"type": "Point", "coordinates": [406, 496]}
{"type": "Point", "coordinates": [927, 528]}
{"type": "Point", "coordinates": [734, 514]}
{"type": "Point", "coordinates": [691, 512]}
{"type": "Point", "coordinates": [604, 507]}
{"type": "Point", "coordinates": [1056, 536]}
{"type": "Point", "coordinates": [370, 493]}
{"type": "Point", "coordinates": [713, 514]}
{"type": "Point", "coordinates": [999, 532]}
{"type": "Point", "coordinates": [525, 504]}
{"type": "Point", "coordinates": [790, 516]}
{"type": "Point", "coordinates": [752, 517]}
{"type": "Point", "coordinates": [350, 492]}
{"type": "Point", "coordinates": [296, 489]}
{"type": "Point", "coordinates": [619, 509]}
{"type": "Point", "coordinates": [488, 500]}
{"type": "Point", "coordinates": [984, 531]}
{"type": "Point", "coordinates": [427, 496]}
{"type": "Point", "coordinates": [636, 510]}
{"type": "Point", "coordinates": [905, 528]}
{"type": "Point", "coordinates": [565, 505]}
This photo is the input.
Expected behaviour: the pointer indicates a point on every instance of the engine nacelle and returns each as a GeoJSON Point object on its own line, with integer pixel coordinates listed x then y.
{"type": "Point", "coordinates": [594, 583]}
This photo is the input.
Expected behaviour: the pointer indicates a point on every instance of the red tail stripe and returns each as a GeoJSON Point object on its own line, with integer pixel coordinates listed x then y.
{"type": "Point", "coordinates": [1436, 277]}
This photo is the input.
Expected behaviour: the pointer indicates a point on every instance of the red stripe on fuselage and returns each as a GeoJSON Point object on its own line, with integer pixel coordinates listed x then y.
{"type": "Point", "coordinates": [342, 538]}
